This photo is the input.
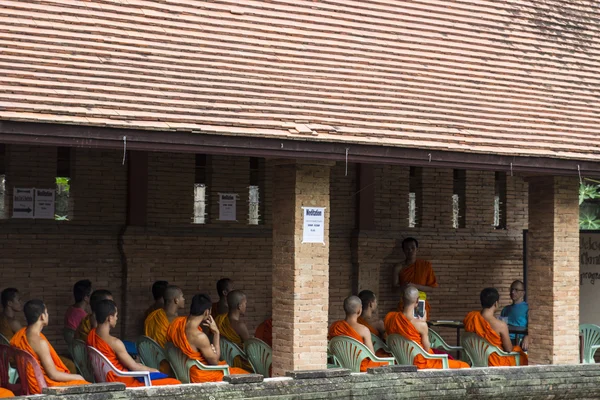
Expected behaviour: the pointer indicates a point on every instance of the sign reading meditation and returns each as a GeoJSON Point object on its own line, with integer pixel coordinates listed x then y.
{"type": "Point", "coordinates": [314, 225]}
{"type": "Point", "coordinates": [227, 206]}
{"type": "Point", "coordinates": [589, 277]}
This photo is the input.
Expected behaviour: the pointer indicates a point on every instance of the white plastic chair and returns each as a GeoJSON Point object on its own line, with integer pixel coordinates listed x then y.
{"type": "Point", "coordinates": [102, 367]}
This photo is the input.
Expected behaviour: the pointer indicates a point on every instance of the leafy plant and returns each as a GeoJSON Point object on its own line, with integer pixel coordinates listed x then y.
{"type": "Point", "coordinates": [589, 208]}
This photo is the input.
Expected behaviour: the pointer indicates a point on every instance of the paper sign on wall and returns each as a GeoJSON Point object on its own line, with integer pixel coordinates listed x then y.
{"type": "Point", "coordinates": [22, 203]}
{"type": "Point", "coordinates": [227, 206]}
{"type": "Point", "coordinates": [589, 277]}
{"type": "Point", "coordinates": [314, 225]}
{"type": "Point", "coordinates": [44, 203]}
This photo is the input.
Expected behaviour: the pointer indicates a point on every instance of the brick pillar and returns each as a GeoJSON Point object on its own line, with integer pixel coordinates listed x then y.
{"type": "Point", "coordinates": [300, 270]}
{"type": "Point", "coordinates": [553, 270]}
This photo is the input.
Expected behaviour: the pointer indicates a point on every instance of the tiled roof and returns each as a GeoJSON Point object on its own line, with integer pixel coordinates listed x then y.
{"type": "Point", "coordinates": [504, 77]}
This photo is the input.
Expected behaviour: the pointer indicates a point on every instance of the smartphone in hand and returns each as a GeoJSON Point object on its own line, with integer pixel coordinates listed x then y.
{"type": "Point", "coordinates": [420, 309]}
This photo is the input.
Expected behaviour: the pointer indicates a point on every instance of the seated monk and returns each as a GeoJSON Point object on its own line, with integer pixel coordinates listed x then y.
{"type": "Point", "coordinates": [32, 340]}
{"type": "Point", "coordinates": [351, 327]}
{"type": "Point", "coordinates": [415, 329]}
{"type": "Point", "coordinates": [11, 305]}
{"type": "Point", "coordinates": [232, 325]}
{"type": "Point", "coordinates": [89, 322]}
{"type": "Point", "coordinates": [264, 331]}
{"type": "Point", "coordinates": [368, 317]}
{"type": "Point", "coordinates": [224, 286]}
{"type": "Point", "coordinates": [186, 334]}
{"type": "Point", "coordinates": [5, 393]}
{"type": "Point", "coordinates": [114, 349]}
{"type": "Point", "coordinates": [415, 272]}
{"type": "Point", "coordinates": [493, 330]}
{"type": "Point", "coordinates": [158, 293]}
{"type": "Point", "coordinates": [77, 312]}
{"type": "Point", "coordinates": [157, 322]}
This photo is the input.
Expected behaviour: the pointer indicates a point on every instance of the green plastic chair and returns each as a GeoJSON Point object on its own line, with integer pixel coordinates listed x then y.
{"type": "Point", "coordinates": [68, 335]}
{"type": "Point", "coordinates": [331, 360]}
{"type": "Point", "coordinates": [436, 341]}
{"type": "Point", "coordinates": [229, 351]}
{"type": "Point", "coordinates": [151, 354]}
{"type": "Point", "coordinates": [479, 350]}
{"type": "Point", "coordinates": [591, 341]}
{"type": "Point", "coordinates": [260, 356]}
{"type": "Point", "coordinates": [80, 358]}
{"type": "Point", "coordinates": [379, 344]}
{"type": "Point", "coordinates": [405, 351]}
{"type": "Point", "coordinates": [181, 364]}
{"type": "Point", "coordinates": [349, 353]}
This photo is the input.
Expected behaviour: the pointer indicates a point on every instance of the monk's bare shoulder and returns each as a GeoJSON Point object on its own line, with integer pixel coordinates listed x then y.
{"type": "Point", "coordinates": [361, 330]}
{"type": "Point", "coordinates": [497, 325]}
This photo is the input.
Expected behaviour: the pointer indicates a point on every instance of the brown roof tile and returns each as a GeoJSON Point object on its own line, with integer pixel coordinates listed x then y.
{"type": "Point", "coordinates": [518, 77]}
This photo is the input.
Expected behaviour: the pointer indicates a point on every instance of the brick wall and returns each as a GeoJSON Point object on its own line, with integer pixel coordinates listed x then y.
{"type": "Point", "coordinates": [44, 258]}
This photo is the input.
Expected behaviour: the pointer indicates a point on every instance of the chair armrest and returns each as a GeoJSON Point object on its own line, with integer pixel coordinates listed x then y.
{"type": "Point", "coordinates": [443, 357]}
{"type": "Point", "coordinates": [389, 360]}
{"type": "Point", "coordinates": [452, 348]}
{"type": "Point", "coordinates": [195, 363]}
{"type": "Point", "coordinates": [514, 354]}
{"type": "Point", "coordinates": [135, 374]}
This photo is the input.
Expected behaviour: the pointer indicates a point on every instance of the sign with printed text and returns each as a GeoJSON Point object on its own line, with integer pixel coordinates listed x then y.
{"type": "Point", "coordinates": [589, 277]}
{"type": "Point", "coordinates": [44, 203]}
{"type": "Point", "coordinates": [23, 203]}
{"type": "Point", "coordinates": [227, 206]}
{"type": "Point", "coordinates": [314, 225]}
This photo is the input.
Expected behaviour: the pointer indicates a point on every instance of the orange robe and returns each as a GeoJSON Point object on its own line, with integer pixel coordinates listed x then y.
{"type": "Point", "coordinates": [474, 322]}
{"type": "Point", "coordinates": [264, 331]}
{"type": "Point", "coordinates": [227, 331]}
{"type": "Point", "coordinates": [364, 322]}
{"type": "Point", "coordinates": [99, 344]}
{"type": "Point", "coordinates": [84, 328]}
{"type": "Point", "coordinates": [176, 335]}
{"type": "Point", "coordinates": [20, 341]}
{"type": "Point", "coordinates": [342, 328]}
{"type": "Point", "coordinates": [5, 393]}
{"type": "Point", "coordinates": [419, 273]}
{"type": "Point", "coordinates": [396, 322]}
{"type": "Point", "coordinates": [156, 325]}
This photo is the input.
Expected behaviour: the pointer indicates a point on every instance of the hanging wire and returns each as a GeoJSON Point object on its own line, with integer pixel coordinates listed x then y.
{"type": "Point", "coordinates": [124, 149]}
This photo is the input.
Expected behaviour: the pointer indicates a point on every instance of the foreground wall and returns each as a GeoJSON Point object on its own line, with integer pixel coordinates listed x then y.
{"type": "Point", "coordinates": [44, 258]}
{"type": "Point", "coordinates": [555, 382]}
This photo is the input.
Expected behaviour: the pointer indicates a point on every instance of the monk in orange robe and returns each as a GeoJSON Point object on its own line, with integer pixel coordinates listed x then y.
{"type": "Point", "coordinates": [186, 334]}
{"type": "Point", "coordinates": [415, 329]}
{"type": "Point", "coordinates": [89, 322]}
{"type": "Point", "coordinates": [32, 340]}
{"type": "Point", "coordinates": [352, 328]}
{"type": "Point", "coordinates": [157, 323]}
{"type": "Point", "coordinates": [114, 349]}
{"type": "Point", "coordinates": [233, 327]}
{"type": "Point", "coordinates": [5, 393]}
{"type": "Point", "coordinates": [415, 272]}
{"type": "Point", "coordinates": [486, 325]}
{"type": "Point", "coordinates": [368, 317]}
{"type": "Point", "coordinates": [264, 331]}
{"type": "Point", "coordinates": [11, 305]}
{"type": "Point", "coordinates": [224, 286]}
{"type": "Point", "coordinates": [158, 293]}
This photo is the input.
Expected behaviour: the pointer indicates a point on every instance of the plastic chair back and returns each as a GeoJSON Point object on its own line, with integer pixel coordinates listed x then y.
{"type": "Point", "coordinates": [181, 364]}
{"type": "Point", "coordinates": [260, 356]}
{"type": "Point", "coordinates": [436, 341]}
{"type": "Point", "coordinates": [229, 351]}
{"type": "Point", "coordinates": [26, 362]}
{"type": "Point", "coordinates": [102, 366]}
{"type": "Point", "coordinates": [405, 351]}
{"type": "Point", "coordinates": [479, 350]}
{"type": "Point", "coordinates": [81, 359]}
{"type": "Point", "coordinates": [379, 344]}
{"type": "Point", "coordinates": [68, 335]}
{"type": "Point", "coordinates": [150, 352]}
{"type": "Point", "coordinates": [350, 353]}
{"type": "Point", "coordinates": [591, 341]}
{"type": "Point", "coordinates": [6, 381]}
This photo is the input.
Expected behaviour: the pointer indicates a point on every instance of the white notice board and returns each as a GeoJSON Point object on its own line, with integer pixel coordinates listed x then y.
{"type": "Point", "coordinates": [589, 277]}
{"type": "Point", "coordinates": [22, 203]}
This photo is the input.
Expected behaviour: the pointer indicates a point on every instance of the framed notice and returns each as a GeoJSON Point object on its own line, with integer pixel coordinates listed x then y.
{"type": "Point", "coordinates": [227, 206]}
{"type": "Point", "coordinates": [314, 225]}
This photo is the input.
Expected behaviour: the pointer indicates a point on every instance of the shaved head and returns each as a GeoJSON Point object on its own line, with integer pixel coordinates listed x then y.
{"type": "Point", "coordinates": [172, 292]}
{"type": "Point", "coordinates": [410, 295]}
{"type": "Point", "coordinates": [352, 305]}
{"type": "Point", "coordinates": [235, 298]}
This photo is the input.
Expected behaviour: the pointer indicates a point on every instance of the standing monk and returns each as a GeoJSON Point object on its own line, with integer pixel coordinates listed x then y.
{"type": "Point", "coordinates": [232, 325]}
{"type": "Point", "coordinates": [157, 323]}
{"type": "Point", "coordinates": [416, 272]}
{"type": "Point", "coordinates": [11, 304]}
{"type": "Point", "coordinates": [114, 349]}
{"type": "Point", "coordinates": [186, 334]}
{"type": "Point", "coordinates": [351, 327]}
{"type": "Point", "coordinates": [224, 286]}
{"type": "Point", "coordinates": [486, 325]}
{"type": "Point", "coordinates": [32, 340]}
{"type": "Point", "coordinates": [78, 311]}
{"type": "Point", "coordinates": [406, 324]}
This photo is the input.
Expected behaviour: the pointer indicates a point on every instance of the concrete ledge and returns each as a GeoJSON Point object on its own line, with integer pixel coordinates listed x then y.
{"type": "Point", "coordinates": [318, 373]}
{"type": "Point", "coordinates": [392, 369]}
{"type": "Point", "coordinates": [246, 378]}
{"type": "Point", "coordinates": [85, 389]}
